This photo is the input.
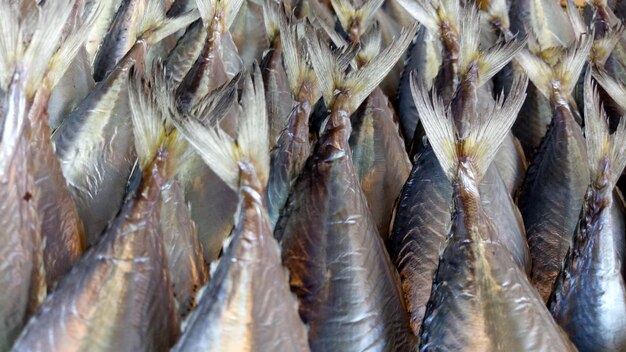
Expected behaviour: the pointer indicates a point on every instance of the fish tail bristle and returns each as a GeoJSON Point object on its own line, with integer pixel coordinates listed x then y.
{"type": "Point", "coordinates": [613, 88]}
{"type": "Point", "coordinates": [603, 47]}
{"type": "Point", "coordinates": [349, 15]}
{"type": "Point", "coordinates": [576, 18]}
{"type": "Point", "coordinates": [217, 148]}
{"type": "Point", "coordinates": [324, 64]}
{"type": "Point", "coordinates": [484, 138]}
{"type": "Point", "coordinates": [253, 131]}
{"type": "Point", "coordinates": [494, 59]}
{"type": "Point", "coordinates": [146, 115]}
{"type": "Point", "coordinates": [602, 146]}
{"type": "Point", "coordinates": [272, 15]}
{"type": "Point", "coordinates": [46, 40]}
{"type": "Point", "coordinates": [207, 10]}
{"type": "Point", "coordinates": [371, 43]}
{"type": "Point", "coordinates": [439, 125]}
{"type": "Point", "coordinates": [155, 25]}
{"type": "Point", "coordinates": [566, 71]}
{"type": "Point", "coordinates": [230, 9]}
{"type": "Point", "coordinates": [332, 34]}
{"type": "Point", "coordinates": [432, 13]}
{"type": "Point", "coordinates": [294, 52]}
{"type": "Point", "coordinates": [10, 42]}
{"type": "Point", "coordinates": [362, 82]}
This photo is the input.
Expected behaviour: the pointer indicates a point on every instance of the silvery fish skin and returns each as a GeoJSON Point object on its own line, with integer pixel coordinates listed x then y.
{"type": "Point", "coordinates": [184, 54]}
{"type": "Point", "coordinates": [481, 300]}
{"type": "Point", "coordinates": [589, 298]}
{"type": "Point", "coordinates": [185, 260]}
{"type": "Point", "coordinates": [22, 271]}
{"type": "Point", "coordinates": [348, 288]}
{"type": "Point", "coordinates": [424, 59]}
{"type": "Point", "coordinates": [422, 221]}
{"type": "Point", "coordinates": [552, 196]}
{"type": "Point", "coordinates": [61, 226]}
{"type": "Point", "coordinates": [247, 305]}
{"type": "Point", "coordinates": [119, 39]}
{"type": "Point", "coordinates": [379, 157]}
{"type": "Point", "coordinates": [278, 95]}
{"type": "Point", "coordinates": [95, 147]}
{"type": "Point", "coordinates": [118, 297]}
{"type": "Point", "coordinates": [292, 150]}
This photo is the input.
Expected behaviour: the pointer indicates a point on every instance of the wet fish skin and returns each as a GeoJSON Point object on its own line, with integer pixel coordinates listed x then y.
{"type": "Point", "coordinates": [117, 285]}
{"type": "Point", "coordinates": [247, 304]}
{"type": "Point", "coordinates": [379, 157]}
{"type": "Point", "coordinates": [22, 274]}
{"type": "Point", "coordinates": [185, 258]}
{"type": "Point", "coordinates": [61, 226]}
{"type": "Point", "coordinates": [552, 196]}
{"type": "Point", "coordinates": [95, 148]}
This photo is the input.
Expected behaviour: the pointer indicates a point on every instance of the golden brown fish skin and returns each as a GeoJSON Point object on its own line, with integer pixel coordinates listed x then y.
{"type": "Point", "coordinates": [331, 247]}
{"type": "Point", "coordinates": [22, 273]}
{"type": "Point", "coordinates": [478, 287]}
{"type": "Point", "coordinates": [379, 157]}
{"type": "Point", "coordinates": [97, 168]}
{"type": "Point", "coordinates": [292, 150]}
{"type": "Point", "coordinates": [553, 194]}
{"type": "Point", "coordinates": [264, 316]}
{"type": "Point", "coordinates": [185, 258]}
{"type": "Point", "coordinates": [119, 286]}
{"type": "Point", "coordinates": [61, 227]}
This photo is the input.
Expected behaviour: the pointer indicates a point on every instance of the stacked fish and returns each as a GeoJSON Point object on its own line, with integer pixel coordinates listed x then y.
{"type": "Point", "coordinates": [312, 175]}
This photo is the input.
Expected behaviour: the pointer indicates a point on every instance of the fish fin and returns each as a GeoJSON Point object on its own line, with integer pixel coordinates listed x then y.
{"type": "Point", "coordinates": [295, 57]}
{"type": "Point", "coordinates": [566, 71]}
{"type": "Point", "coordinates": [155, 25]}
{"type": "Point", "coordinates": [273, 14]}
{"type": "Point", "coordinates": [432, 13]}
{"type": "Point", "coordinates": [10, 42]}
{"type": "Point", "coordinates": [363, 81]}
{"type": "Point", "coordinates": [46, 40]}
{"type": "Point", "coordinates": [613, 88]}
{"type": "Point", "coordinates": [223, 153]}
{"type": "Point", "coordinates": [211, 108]}
{"type": "Point", "coordinates": [70, 47]}
{"type": "Point", "coordinates": [253, 131]}
{"type": "Point", "coordinates": [490, 61]}
{"type": "Point", "coordinates": [371, 43]}
{"type": "Point", "coordinates": [349, 15]}
{"type": "Point", "coordinates": [483, 140]}
{"type": "Point", "coordinates": [332, 34]}
{"type": "Point", "coordinates": [147, 117]}
{"type": "Point", "coordinates": [575, 17]}
{"type": "Point", "coordinates": [228, 8]}
{"type": "Point", "coordinates": [602, 146]}
{"type": "Point", "coordinates": [603, 47]}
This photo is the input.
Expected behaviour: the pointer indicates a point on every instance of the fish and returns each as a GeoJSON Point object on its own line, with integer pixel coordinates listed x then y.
{"type": "Point", "coordinates": [212, 202]}
{"type": "Point", "coordinates": [589, 297]}
{"type": "Point", "coordinates": [100, 28]}
{"type": "Point", "coordinates": [123, 279]}
{"type": "Point", "coordinates": [477, 286]}
{"type": "Point", "coordinates": [248, 32]}
{"type": "Point", "coordinates": [553, 191]}
{"type": "Point", "coordinates": [421, 217]}
{"type": "Point", "coordinates": [94, 143]}
{"type": "Point", "coordinates": [247, 305]}
{"type": "Point", "coordinates": [293, 147]}
{"type": "Point", "coordinates": [347, 286]}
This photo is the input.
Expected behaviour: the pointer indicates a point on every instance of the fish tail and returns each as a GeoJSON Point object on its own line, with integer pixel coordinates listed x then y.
{"type": "Point", "coordinates": [607, 152]}
{"type": "Point", "coordinates": [273, 14]}
{"type": "Point", "coordinates": [227, 8]}
{"type": "Point", "coordinates": [488, 62]}
{"type": "Point", "coordinates": [603, 47]}
{"type": "Point", "coordinates": [351, 17]}
{"type": "Point", "coordinates": [614, 89]}
{"type": "Point", "coordinates": [484, 138]}
{"type": "Point", "coordinates": [565, 72]}
{"type": "Point", "coordinates": [156, 25]}
{"type": "Point", "coordinates": [219, 150]}
{"type": "Point", "coordinates": [433, 13]}
{"type": "Point", "coordinates": [295, 58]}
{"type": "Point", "coordinates": [371, 42]}
{"type": "Point", "coordinates": [330, 67]}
